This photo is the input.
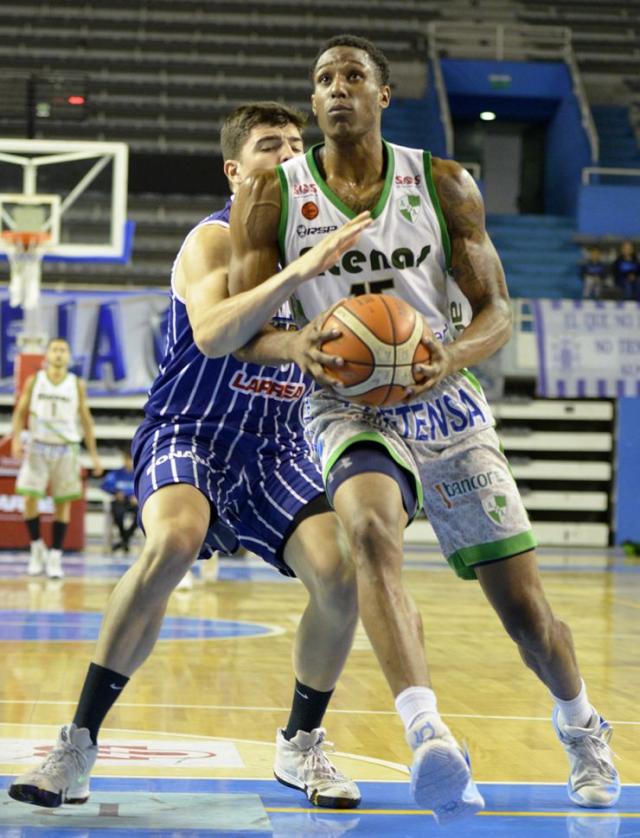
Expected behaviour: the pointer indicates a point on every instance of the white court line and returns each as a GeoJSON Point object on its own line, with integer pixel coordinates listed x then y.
{"type": "Point", "coordinates": [105, 732]}
{"type": "Point", "coordinates": [263, 709]}
{"type": "Point", "coordinates": [395, 766]}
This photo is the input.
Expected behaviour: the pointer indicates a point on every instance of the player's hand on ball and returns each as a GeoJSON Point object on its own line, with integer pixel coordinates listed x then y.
{"type": "Point", "coordinates": [438, 368]}
{"type": "Point", "coordinates": [309, 356]}
{"type": "Point", "coordinates": [326, 253]}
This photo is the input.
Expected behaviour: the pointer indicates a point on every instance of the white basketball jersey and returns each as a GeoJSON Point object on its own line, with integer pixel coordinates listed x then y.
{"type": "Point", "coordinates": [405, 252]}
{"type": "Point", "coordinates": [53, 411]}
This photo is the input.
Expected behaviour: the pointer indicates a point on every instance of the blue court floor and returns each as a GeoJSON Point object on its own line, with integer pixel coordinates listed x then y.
{"type": "Point", "coordinates": [171, 808]}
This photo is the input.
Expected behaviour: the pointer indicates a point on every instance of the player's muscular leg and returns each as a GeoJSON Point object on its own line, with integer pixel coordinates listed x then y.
{"type": "Point", "coordinates": [318, 553]}
{"type": "Point", "coordinates": [30, 506]}
{"type": "Point", "coordinates": [514, 588]}
{"type": "Point", "coordinates": [370, 508]}
{"type": "Point", "coordinates": [176, 519]}
{"type": "Point", "coordinates": [63, 511]}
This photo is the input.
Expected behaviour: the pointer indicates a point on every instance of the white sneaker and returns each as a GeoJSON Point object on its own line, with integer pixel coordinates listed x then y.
{"type": "Point", "coordinates": [186, 583]}
{"type": "Point", "coordinates": [54, 564]}
{"type": "Point", "coordinates": [302, 764]}
{"type": "Point", "coordinates": [593, 782]}
{"type": "Point", "coordinates": [441, 773]}
{"type": "Point", "coordinates": [64, 775]}
{"type": "Point", "coordinates": [37, 558]}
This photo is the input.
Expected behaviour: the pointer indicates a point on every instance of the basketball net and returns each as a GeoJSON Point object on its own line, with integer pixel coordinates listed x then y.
{"type": "Point", "coordinates": [24, 251]}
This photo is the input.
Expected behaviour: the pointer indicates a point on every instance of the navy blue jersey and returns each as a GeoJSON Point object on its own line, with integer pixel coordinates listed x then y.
{"type": "Point", "coordinates": [222, 393]}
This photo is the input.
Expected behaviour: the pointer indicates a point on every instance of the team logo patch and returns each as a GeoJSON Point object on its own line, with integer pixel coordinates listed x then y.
{"type": "Point", "coordinates": [409, 206]}
{"type": "Point", "coordinates": [309, 210]}
{"type": "Point", "coordinates": [495, 507]}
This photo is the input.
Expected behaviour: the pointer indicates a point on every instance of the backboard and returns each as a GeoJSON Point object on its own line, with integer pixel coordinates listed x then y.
{"type": "Point", "coordinates": [74, 191]}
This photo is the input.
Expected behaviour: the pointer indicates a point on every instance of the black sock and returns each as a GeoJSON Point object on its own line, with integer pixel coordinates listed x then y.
{"type": "Point", "coordinates": [307, 710]}
{"type": "Point", "coordinates": [33, 525]}
{"type": "Point", "coordinates": [102, 687]}
{"type": "Point", "coordinates": [59, 532]}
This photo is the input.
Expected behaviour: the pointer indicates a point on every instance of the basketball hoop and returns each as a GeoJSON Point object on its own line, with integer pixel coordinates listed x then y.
{"type": "Point", "coordinates": [24, 249]}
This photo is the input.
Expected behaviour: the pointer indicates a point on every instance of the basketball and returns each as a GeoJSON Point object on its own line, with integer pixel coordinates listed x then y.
{"type": "Point", "coordinates": [380, 343]}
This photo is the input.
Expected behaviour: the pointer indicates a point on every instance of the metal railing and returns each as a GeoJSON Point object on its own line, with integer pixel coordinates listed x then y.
{"type": "Point", "coordinates": [588, 171]}
{"type": "Point", "coordinates": [501, 42]}
{"type": "Point", "coordinates": [441, 93]}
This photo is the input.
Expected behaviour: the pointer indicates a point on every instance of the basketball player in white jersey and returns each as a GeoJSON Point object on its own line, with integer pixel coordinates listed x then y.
{"type": "Point", "coordinates": [54, 402]}
{"type": "Point", "coordinates": [427, 244]}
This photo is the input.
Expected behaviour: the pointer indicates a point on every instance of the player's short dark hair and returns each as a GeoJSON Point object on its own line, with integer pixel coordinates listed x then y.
{"type": "Point", "coordinates": [58, 339]}
{"type": "Point", "coordinates": [240, 122]}
{"type": "Point", "coordinates": [375, 53]}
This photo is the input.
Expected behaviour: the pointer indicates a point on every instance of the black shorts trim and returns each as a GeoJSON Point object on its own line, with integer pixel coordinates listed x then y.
{"type": "Point", "coordinates": [316, 506]}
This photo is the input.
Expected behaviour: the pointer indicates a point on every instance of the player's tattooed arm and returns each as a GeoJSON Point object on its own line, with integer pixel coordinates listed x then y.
{"type": "Point", "coordinates": [476, 268]}
{"type": "Point", "coordinates": [475, 265]}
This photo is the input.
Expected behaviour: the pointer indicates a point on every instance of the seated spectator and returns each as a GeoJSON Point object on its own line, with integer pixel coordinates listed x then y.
{"type": "Point", "coordinates": [626, 271]}
{"type": "Point", "coordinates": [119, 483]}
{"type": "Point", "coordinates": [594, 274]}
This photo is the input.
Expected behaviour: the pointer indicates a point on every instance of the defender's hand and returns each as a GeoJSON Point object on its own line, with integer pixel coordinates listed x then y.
{"type": "Point", "coordinates": [326, 253]}
{"type": "Point", "coordinates": [309, 356]}
{"type": "Point", "coordinates": [96, 470]}
{"type": "Point", "coordinates": [439, 367]}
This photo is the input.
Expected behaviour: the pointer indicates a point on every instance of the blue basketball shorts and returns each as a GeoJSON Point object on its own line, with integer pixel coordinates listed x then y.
{"type": "Point", "coordinates": [257, 486]}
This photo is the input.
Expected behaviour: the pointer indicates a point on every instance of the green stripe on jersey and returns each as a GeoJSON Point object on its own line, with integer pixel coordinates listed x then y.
{"type": "Point", "coordinates": [464, 560]}
{"type": "Point", "coordinates": [284, 214]}
{"type": "Point", "coordinates": [336, 201]}
{"type": "Point", "coordinates": [446, 242]}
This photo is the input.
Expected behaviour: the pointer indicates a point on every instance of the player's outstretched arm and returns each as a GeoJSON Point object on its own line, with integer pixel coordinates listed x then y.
{"type": "Point", "coordinates": [86, 420]}
{"type": "Point", "coordinates": [19, 418]}
{"type": "Point", "coordinates": [222, 324]}
{"type": "Point", "coordinates": [476, 268]}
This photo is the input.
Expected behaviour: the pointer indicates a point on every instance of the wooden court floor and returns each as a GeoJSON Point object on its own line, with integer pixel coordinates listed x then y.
{"type": "Point", "coordinates": [188, 749]}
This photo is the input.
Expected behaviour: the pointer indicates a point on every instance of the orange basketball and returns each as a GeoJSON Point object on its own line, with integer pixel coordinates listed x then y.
{"type": "Point", "coordinates": [380, 343]}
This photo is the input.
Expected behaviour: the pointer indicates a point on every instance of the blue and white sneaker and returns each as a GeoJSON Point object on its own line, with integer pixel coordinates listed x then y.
{"type": "Point", "coordinates": [441, 772]}
{"type": "Point", "coordinates": [593, 782]}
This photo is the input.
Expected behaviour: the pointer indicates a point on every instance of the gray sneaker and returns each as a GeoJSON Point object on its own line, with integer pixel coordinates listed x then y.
{"type": "Point", "coordinates": [593, 782]}
{"type": "Point", "coordinates": [64, 775]}
{"type": "Point", "coordinates": [441, 772]}
{"type": "Point", "coordinates": [302, 764]}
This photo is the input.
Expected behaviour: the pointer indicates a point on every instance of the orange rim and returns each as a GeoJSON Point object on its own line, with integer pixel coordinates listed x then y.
{"type": "Point", "coordinates": [27, 238]}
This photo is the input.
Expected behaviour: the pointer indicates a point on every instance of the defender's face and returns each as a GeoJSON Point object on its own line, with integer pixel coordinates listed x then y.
{"type": "Point", "coordinates": [627, 249]}
{"type": "Point", "coordinates": [347, 97]}
{"type": "Point", "coordinates": [58, 354]}
{"type": "Point", "coordinates": [266, 146]}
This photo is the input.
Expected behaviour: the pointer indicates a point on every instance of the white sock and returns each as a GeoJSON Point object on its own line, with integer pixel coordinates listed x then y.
{"type": "Point", "coordinates": [577, 712]}
{"type": "Point", "coordinates": [413, 702]}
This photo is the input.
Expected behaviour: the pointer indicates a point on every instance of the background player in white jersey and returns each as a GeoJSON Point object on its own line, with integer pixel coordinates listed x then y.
{"type": "Point", "coordinates": [440, 447]}
{"type": "Point", "coordinates": [213, 445]}
{"type": "Point", "coordinates": [54, 403]}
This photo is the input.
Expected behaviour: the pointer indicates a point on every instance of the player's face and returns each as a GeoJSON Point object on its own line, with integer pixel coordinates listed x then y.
{"type": "Point", "coordinates": [347, 98]}
{"type": "Point", "coordinates": [266, 147]}
{"type": "Point", "coordinates": [58, 355]}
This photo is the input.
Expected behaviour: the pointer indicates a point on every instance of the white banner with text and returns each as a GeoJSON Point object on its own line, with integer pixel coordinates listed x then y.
{"type": "Point", "coordinates": [587, 348]}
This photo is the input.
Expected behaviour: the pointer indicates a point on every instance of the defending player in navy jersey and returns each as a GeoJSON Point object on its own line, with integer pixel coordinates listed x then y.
{"type": "Point", "coordinates": [219, 456]}
{"type": "Point", "coordinates": [427, 244]}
